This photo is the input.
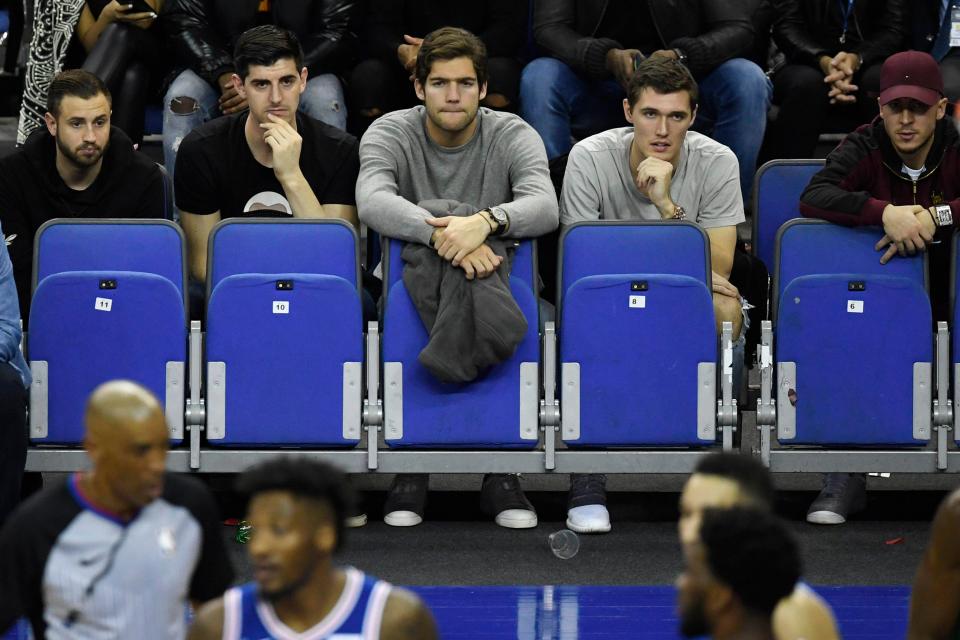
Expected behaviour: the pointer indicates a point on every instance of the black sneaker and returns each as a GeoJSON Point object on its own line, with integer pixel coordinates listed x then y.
{"type": "Point", "coordinates": [587, 503]}
{"type": "Point", "coordinates": [406, 499]}
{"type": "Point", "coordinates": [843, 495]}
{"type": "Point", "coordinates": [502, 497]}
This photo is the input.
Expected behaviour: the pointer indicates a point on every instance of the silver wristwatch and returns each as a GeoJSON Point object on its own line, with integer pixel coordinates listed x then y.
{"type": "Point", "coordinates": [943, 215]}
{"type": "Point", "coordinates": [500, 217]}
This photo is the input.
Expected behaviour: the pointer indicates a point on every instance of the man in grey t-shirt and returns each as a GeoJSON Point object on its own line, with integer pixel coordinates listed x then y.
{"type": "Point", "coordinates": [656, 170]}
{"type": "Point", "coordinates": [450, 148]}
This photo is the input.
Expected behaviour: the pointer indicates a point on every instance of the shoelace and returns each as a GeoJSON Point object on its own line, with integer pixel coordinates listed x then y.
{"type": "Point", "coordinates": [591, 483]}
{"type": "Point", "coordinates": [836, 485]}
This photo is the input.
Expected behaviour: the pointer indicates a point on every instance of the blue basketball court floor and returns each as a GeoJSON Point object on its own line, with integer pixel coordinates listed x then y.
{"type": "Point", "coordinates": [617, 613]}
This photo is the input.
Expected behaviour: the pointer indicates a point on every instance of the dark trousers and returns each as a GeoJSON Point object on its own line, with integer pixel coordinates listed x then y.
{"type": "Point", "coordinates": [13, 438]}
{"type": "Point", "coordinates": [950, 69]}
{"type": "Point", "coordinates": [123, 58]}
{"type": "Point", "coordinates": [804, 109]}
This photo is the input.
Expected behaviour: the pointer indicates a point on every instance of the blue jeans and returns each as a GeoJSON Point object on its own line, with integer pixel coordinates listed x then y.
{"type": "Point", "coordinates": [562, 104]}
{"type": "Point", "coordinates": [322, 100]}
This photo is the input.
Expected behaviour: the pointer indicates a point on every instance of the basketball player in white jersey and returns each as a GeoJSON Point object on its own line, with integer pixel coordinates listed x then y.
{"type": "Point", "coordinates": [297, 509]}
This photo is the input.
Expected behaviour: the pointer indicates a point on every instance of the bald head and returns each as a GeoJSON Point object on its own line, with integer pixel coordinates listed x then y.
{"type": "Point", "coordinates": [127, 442]}
{"type": "Point", "coordinates": [119, 406]}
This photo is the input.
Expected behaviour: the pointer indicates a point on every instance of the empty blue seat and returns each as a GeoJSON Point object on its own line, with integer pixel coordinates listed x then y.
{"type": "Point", "coordinates": [498, 410]}
{"type": "Point", "coordinates": [284, 340]}
{"type": "Point", "coordinates": [146, 246]}
{"type": "Point", "coordinates": [109, 303]}
{"type": "Point", "coordinates": [854, 340]}
{"type": "Point", "coordinates": [776, 199]}
{"type": "Point", "coordinates": [637, 336]}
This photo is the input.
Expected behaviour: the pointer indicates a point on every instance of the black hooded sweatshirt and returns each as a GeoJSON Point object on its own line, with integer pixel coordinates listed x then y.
{"type": "Point", "coordinates": [129, 185]}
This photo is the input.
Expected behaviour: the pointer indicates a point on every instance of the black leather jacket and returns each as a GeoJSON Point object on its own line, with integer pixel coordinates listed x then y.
{"type": "Point", "coordinates": [201, 33]}
{"type": "Point", "coordinates": [709, 32]}
{"type": "Point", "coordinates": [807, 29]}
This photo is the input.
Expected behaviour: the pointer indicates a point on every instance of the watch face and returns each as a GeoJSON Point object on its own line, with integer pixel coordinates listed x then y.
{"type": "Point", "coordinates": [944, 215]}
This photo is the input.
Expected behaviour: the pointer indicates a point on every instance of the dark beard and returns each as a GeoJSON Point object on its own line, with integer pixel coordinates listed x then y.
{"type": "Point", "coordinates": [75, 158]}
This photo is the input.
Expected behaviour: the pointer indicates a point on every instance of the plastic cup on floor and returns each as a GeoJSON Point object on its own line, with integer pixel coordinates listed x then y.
{"type": "Point", "coordinates": [564, 543]}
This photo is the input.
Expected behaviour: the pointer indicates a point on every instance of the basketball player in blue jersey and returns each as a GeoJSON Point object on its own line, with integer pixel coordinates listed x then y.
{"type": "Point", "coordinates": [297, 509]}
{"type": "Point", "coordinates": [727, 480]}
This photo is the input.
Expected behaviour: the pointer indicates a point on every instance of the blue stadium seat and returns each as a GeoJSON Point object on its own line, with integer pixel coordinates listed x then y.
{"type": "Point", "coordinates": [955, 335]}
{"type": "Point", "coordinates": [148, 246]}
{"type": "Point", "coordinates": [153, 120]}
{"type": "Point", "coordinates": [499, 410]}
{"type": "Point", "coordinates": [284, 343]}
{"type": "Point", "coordinates": [374, 249]}
{"type": "Point", "coordinates": [109, 302]}
{"type": "Point", "coordinates": [854, 340]}
{"type": "Point", "coordinates": [638, 343]}
{"type": "Point", "coordinates": [776, 199]}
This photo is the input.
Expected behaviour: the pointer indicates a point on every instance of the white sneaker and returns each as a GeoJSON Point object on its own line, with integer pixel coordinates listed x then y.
{"type": "Point", "coordinates": [590, 518]}
{"type": "Point", "coordinates": [402, 519]}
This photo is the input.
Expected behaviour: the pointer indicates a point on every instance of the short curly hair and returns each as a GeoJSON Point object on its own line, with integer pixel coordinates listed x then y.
{"type": "Point", "coordinates": [448, 43]}
{"type": "Point", "coordinates": [304, 478]}
{"type": "Point", "coordinates": [751, 476]}
{"type": "Point", "coordinates": [752, 552]}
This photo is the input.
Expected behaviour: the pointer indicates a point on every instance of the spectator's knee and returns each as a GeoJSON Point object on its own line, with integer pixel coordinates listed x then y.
{"type": "Point", "coordinates": [747, 82]}
{"type": "Point", "coordinates": [323, 99]}
{"type": "Point", "coordinates": [727, 309]}
{"type": "Point", "coordinates": [542, 72]}
{"type": "Point", "coordinates": [184, 105]}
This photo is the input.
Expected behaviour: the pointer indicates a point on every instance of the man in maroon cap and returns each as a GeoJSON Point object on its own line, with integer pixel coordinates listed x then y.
{"type": "Point", "coordinates": [902, 173]}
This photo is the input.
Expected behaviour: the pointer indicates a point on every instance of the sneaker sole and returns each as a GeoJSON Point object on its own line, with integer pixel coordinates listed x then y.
{"type": "Point", "coordinates": [526, 522]}
{"type": "Point", "coordinates": [592, 529]}
{"type": "Point", "coordinates": [825, 517]}
{"type": "Point", "coordinates": [402, 519]}
{"type": "Point", "coordinates": [355, 522]}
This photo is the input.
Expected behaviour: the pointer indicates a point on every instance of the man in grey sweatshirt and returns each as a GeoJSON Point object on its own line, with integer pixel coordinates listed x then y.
{"type": "Point", "coordinates": [450, 148]}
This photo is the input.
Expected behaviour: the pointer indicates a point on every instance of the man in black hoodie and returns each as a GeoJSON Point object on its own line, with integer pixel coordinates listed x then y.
{"type": "Point", "coordinates": [80, 167]}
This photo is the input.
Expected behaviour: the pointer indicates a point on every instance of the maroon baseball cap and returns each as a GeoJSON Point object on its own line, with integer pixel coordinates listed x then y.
{"type": "Point", "coordinates": [911, 74]}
